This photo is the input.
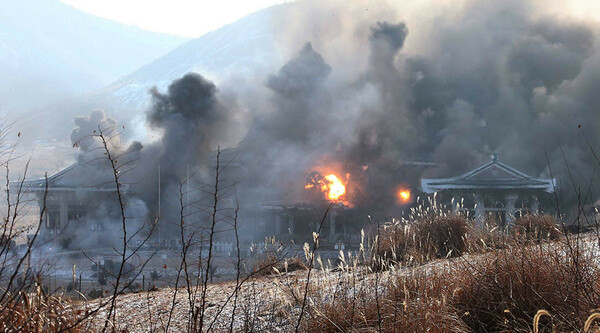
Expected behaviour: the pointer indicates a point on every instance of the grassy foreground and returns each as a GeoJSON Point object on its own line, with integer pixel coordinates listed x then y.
{"type": "Point", "coordinates": [432, 273]}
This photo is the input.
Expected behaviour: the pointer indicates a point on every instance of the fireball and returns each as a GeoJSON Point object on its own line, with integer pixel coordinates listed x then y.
{"type": "Point", "coordinates": [404, 195]}
{"type": "Point", "coordinates": [331, 186]}
{"type": "Point", "coordinates": [334, 187]}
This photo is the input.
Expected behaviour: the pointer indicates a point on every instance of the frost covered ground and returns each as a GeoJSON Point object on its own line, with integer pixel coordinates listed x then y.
{"type": "Point", "coordinates": [272, 303]}
{"type": "Point", "coordinates": [263, 304]}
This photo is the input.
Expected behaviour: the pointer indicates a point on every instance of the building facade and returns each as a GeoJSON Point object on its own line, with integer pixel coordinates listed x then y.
{"type": "Point", "coordinates": [77, 201]}
{"type": "Point", "coordinates": [493, 191]}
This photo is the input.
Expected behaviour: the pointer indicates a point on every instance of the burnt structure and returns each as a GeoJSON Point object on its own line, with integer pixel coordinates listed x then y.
{"type": "Point", "coordinates": [82, 211]}
{"type": "Point", "coordinates": [296, 223]}
{"type": "Point", "coordinates": [492, 191]}
{"type": "Point", "coordinates": [79, 201]}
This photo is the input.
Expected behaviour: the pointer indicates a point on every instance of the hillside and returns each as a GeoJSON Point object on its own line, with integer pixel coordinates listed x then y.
{"type": "Point", "coordinates": [244, 47]}
{"type": "Point", "coordinates": [49, 50]}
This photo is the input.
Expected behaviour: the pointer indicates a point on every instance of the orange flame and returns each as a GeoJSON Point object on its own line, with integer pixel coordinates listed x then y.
{"type": "Point", "coordinates": [330, 185]}
{"type": "Point", "coordinates": [335, 188]}
{"type": "Point", "coordinates": [404, 195]}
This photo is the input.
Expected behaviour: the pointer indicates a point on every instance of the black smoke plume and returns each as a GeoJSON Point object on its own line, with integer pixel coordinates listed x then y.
{"type": "Point", "coordinates": [367, 96]}
{"type": "Point", "coordinates": [191, 121]}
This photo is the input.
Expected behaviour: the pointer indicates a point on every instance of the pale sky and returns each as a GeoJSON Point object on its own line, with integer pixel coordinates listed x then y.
{"type": "Point", "coordinates": [186, 18]}
{"type": "Point", "coordinates": [193, 18]}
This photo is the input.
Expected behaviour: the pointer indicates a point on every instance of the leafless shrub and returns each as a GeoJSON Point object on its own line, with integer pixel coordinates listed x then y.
{"type": "Point", "coordinates": [24, 304]}
{"type": "Point", "coordinates": [310, 258]}
{"type": "Point", "coordinates": [122, 275]}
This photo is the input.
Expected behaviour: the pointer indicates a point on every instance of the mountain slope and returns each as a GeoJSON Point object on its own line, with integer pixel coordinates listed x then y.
{"type": "Point", "coordinates": [50, 50]}
{"type": "Point", "coordinates": [244, 47]}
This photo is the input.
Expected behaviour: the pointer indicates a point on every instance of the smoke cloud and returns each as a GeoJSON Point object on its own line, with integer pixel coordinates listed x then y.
{"type": "Point", "coordinates": [296, 96]}
{"type": "Point", "coordinates": [482, 78]}
{"type": "Point", "coordinates": [372, 90]}
{"type": "Point", "coordinates": [192, 121]}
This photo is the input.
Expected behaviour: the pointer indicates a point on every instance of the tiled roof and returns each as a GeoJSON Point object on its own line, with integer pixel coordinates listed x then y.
{"type": "Point", "coordinates": [79, 176]}
{"type": "Point", "coordinates": [493, 175]}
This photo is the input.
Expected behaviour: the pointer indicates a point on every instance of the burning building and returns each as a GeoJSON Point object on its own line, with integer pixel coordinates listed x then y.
{"type": "Point", "coordinates": [351, 137]}
{"type": "Point", "coordinates": [492, 191]}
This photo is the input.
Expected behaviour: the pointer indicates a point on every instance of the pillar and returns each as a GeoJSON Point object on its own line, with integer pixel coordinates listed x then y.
{"type": "Point", "coordinates": [278, 225]}
{"type": "Point", "coordinates": [64, 212]}
{"type": "Point", "coordinates": [479, 209]}
{"type": "Point", "coordinates": [45, 216]}
{"type": "Point", "coordinates": [535, 206]}
{"type": "Point", "coordinates": [291, 225]}
{"type": "Point", "coordinates": [509, 204]}
{"type": "Point", "coordinates": [332, 226]}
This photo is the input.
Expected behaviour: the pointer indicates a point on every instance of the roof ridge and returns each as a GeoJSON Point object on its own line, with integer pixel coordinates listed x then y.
{"type": "Point", "coordinates": [467, 179]}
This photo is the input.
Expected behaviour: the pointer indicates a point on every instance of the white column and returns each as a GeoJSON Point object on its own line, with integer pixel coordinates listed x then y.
{"type": "Point", "coordinates": [479, 209]}
{"type": "Point", "coordinates": [535, 206]}
{"type": "Point", "coordinates": [332, 226]}
{"type": "Point", "coordinates": [291, 225]}
{"type": "Point", "coordinates": [278, 224]}
{"type": "Point", "coordinates": [64, 212]}
{"type": "Point", "coordinates": [510, 209]}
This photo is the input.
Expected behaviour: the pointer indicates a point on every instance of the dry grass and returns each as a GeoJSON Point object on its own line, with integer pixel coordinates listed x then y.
{"type": "Point", "coordinates": [497, 291]}
{"type": "Point", "coordinates": [38, 312]}
{"type": "Point", "coordinates": [411, 303]}
{"type": "Point", "coordinates": [395, 244]}
{"type": "Point", "coordinates": [500, 291]}
{"type": "Point", "coordinates": [435, 273]}
{"type": "Point", "coordinates": [487, 237]}
{"type": "Point", "coordinates": [441, 236]}
{"type": "Point", "coordinates": [536, 228]}
{"type": "Point", "coordinates": [430, 236]}
{"type": "Point", "coordinates": [501, 287]}
{"type": "Point", "coordinates": [504, 290]}
{"type": "Point", "coordinates": [272, 264]}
